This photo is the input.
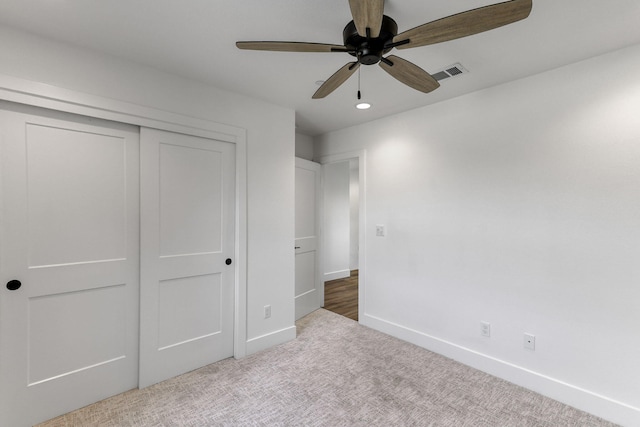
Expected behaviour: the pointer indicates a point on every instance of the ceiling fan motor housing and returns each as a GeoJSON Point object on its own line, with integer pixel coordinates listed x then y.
{"type": "Point", "coordinates": [369, 51]}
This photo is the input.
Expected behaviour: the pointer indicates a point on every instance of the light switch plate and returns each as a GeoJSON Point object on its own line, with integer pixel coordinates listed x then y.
{"type": "Point", "coordinates": [485, 329]}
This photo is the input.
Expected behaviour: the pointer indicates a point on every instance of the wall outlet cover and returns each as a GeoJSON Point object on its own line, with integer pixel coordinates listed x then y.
{"type": "Point", "coordinates": [530, 341]}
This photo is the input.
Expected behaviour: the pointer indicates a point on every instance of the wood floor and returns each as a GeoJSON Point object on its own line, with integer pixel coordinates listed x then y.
{"type": "Point", "coordinates": [341, 296]}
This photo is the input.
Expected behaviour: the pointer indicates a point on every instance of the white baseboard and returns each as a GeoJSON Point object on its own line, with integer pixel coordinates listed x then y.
{"type": "Point", "coordinates": [334, 275]}
{"type": "Point", "coordinates": [271, 339]}
{"type": "Point", "coordinates": [571, 395]}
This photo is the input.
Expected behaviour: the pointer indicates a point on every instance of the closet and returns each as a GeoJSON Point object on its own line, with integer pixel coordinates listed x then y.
{"type": "Point", "coordinates": [117, 270]}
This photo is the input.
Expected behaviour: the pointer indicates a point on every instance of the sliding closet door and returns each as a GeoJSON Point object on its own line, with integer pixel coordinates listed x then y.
{"type": "Point", "coordinates": [69, 262]}
{"type": "Point", "coordinates": [187, 238]}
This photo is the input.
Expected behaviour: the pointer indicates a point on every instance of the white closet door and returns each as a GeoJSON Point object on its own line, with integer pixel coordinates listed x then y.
{"type": "Point", "coordinates": [69, 194]}
{"type": "Point", "coordinates": [187, 238]}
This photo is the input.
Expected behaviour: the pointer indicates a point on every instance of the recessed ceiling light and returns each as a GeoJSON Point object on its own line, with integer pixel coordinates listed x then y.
{"type": "Point", "coordinates": [363, 106]}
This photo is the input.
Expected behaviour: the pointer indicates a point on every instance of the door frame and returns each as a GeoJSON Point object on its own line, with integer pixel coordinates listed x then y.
{"type": "Point", "coordinates": [23, 91]}
{"type": "Point", "coordinates": [361, 157]}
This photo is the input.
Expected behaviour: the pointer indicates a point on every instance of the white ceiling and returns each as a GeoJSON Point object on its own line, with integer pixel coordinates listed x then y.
{"type": "Point", "coordinates": [196, 39]}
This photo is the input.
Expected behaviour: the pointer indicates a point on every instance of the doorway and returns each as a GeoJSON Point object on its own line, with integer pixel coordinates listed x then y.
{"type": "Point", "coordinates": [343, 234]}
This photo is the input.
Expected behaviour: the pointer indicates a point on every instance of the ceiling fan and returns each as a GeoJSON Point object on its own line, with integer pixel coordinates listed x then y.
{"type": "Point", "coordinates": [372, 34]}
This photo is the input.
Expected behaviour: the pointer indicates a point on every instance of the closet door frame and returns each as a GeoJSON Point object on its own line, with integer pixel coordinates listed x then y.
{"type": "Point", "coordinates": [22, 91]}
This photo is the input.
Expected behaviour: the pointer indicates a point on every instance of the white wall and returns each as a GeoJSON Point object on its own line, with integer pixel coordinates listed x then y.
{"type": "Point", "coordinates": [336, 220]}
{"type": "Point", "coordinates": [270, 155]}
{"type": "Point", "coordinates": [520, 206]}
{"type": "Point", "coordinates": [304, 146]}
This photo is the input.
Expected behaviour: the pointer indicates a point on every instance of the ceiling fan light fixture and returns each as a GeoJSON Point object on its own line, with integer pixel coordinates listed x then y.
{"type": "Point", "coordinates": [363, 105]}
{"type": "Point", "coordinates": [371, 34]}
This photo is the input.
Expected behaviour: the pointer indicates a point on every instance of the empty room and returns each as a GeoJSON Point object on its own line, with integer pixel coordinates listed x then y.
{"type": "Point", "coordinates": [178, 180]}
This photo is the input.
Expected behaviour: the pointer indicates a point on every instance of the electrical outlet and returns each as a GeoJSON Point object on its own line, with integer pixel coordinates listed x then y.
{"type": "Point", "coordinates": [530, 341]}
{"type": "Point", "coordinates": [267, 311]}
{"type": "Point", "coordinates": [485, 329]}
{"type": "Point", "coordinates": [380, 230]}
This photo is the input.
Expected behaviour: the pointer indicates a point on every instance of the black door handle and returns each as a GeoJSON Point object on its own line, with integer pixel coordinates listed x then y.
{"type": "Point", "coordinates": [13, 285]}
{"type": "Point", "coordinates": [228, 261]}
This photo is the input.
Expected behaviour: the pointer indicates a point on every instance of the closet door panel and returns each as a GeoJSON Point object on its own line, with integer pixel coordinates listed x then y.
{"type": "Point", "coordinates": [70, 236]}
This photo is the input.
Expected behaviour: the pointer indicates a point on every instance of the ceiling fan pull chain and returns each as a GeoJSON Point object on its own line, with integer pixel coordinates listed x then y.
{"type": "Point", "coordinates": [359, 84]}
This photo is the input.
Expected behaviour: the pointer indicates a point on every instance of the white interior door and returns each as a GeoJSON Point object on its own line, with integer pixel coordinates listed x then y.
{"type": "Point", "coordinates": [187, 239]}
{"type": "Point", "coordinates": [309, 285]}
{"type": "Point", "coordinates": [69, 215]}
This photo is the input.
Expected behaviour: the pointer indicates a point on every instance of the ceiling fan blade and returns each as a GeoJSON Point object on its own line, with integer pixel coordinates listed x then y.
{"type": "Point", "coordinates": [291, 46]}
{"type": "Point", "coordinates": [465, 24]}
{"type": "Point", "coordinates": [336, 80]}
{"type": "Point", "coordinates": [367, 14]}
{"type": "Point", "coordinates": [409, 74]}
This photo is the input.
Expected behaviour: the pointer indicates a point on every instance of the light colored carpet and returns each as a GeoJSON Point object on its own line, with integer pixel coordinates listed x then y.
{"type": "Point", "coordinates": [336, 373]}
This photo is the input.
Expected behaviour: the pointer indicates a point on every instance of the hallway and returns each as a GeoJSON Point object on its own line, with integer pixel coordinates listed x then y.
{"type": "Point", "coordinates": [341, 296]}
